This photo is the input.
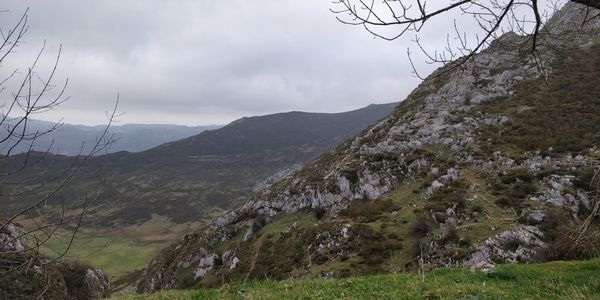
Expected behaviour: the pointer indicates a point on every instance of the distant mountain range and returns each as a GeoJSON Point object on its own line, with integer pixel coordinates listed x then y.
{"type": "Point", "coordinates": [186, 179]}
{"type": "Point", "coordinates": [68, 138]}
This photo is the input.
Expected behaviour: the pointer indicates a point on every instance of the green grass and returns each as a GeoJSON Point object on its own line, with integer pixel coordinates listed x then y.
{"type": "Point", "coordinates": [117, 252]}
{"type": "Point", "coordinates": [556, 280]}
{"type": "Point", "coordinates": [113, 253]}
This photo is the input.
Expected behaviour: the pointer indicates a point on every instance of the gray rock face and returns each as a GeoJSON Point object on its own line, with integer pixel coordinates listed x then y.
{"type": "Point", "coordinates": [517, 245]}
{"type": "Point", "coordinates": [97, 283]}
{"type": "Point", "coordinates": [447, 227]}
{"type": "Point", "coordinates": [484, 267]}
{"type": "Point", "coordinates": [204, 265]}
{"type": "Point", "coordinates": [269, 181]}
{"type": "Point", "coordinates": [556, 192]}
{"type": "Point", "coordinates": [12, 238]}
{"type": "Point", "coordinates": [229, 259]}
{"type": "Point", "coordinates": [571, 18]}
{"type": "Point", "coordinates": [450, 176]}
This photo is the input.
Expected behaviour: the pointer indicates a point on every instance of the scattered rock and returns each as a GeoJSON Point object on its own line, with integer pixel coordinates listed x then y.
{"type": "Point", "coordinates": [483, 267]}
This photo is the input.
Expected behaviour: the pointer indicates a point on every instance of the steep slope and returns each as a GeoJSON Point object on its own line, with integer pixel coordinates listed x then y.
{"type": "Point", "coordinates": [68, 139]}
{"type": "Point", "coordinates": [187, 179]}
{"type": "Point", "coordinates": [477, 165]}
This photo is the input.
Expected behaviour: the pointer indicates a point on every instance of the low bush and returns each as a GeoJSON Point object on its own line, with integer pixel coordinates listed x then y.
{"type": "Point", "coordinates": [453, 194]}
{"type": "Point", "coordinates": [369, 210]}
{"type": "Point", "coordinates": [512, 244]}
{"type": "Point", "coordinates": [420, 227]}
{"type": "Point", "coordinates": [514, 187]}
{"type": "Point", "coordinates": [258, 223]}
{"type": "Point", "coordinates": [319, 212]}
{"type": "Point", "coordinates": [568, 247]}
{"type": "Point", "coordinates": [555, 224]}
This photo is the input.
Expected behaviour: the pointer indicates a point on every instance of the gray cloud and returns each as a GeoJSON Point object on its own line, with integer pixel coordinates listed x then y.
{"type": "Point", "coordinates": [200, 62]}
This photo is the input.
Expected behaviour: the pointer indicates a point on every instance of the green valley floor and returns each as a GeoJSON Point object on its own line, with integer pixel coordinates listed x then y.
{"type": "Point", "coordinates": [555, 280]}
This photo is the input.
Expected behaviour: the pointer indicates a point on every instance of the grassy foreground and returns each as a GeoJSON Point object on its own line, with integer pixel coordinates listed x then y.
{"type": "Point", "coordinates": [555, 280]}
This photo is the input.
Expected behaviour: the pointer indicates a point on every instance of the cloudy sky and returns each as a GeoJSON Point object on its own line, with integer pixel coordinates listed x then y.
{"type": "Point", "coordinates": [204, 62]}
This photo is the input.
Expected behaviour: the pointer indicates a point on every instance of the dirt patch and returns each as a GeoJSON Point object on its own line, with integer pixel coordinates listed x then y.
{"type": "Point", "coordinates": [159, 237]}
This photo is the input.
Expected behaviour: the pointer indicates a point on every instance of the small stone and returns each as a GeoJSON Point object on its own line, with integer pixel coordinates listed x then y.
{"type": "Point", "coordinates": [483, 267]}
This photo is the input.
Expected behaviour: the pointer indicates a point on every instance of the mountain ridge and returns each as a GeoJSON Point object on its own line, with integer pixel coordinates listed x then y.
{"type": "Point", "coordinates": [68, 139]}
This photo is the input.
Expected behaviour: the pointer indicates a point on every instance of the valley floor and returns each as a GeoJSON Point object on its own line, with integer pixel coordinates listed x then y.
{"type": "Point", "coordinates": [555, 280]}
{"type": "Point", "coordinates": [117, 251]}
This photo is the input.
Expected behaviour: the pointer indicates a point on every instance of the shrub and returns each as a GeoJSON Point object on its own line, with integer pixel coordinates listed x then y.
{"type": "Point", "coordinates": [517, 175]}
{"type": "Point", "coordinates": [507, 201]}
{"type": "Point", "coordinates": [465, 241]}
{"type": "Point", "coordinates": [583, 211]}
{"type": "Point", "coordinates": [369, 211]}
{"type": "Point", "coordinates": [512, 244]}
{"type": "Point", "coordinates": [566, 247]}
{"type": "Point", "coordinates": [420, 228]}
{"type": "Point", "coordinates": [393, 244]}
{"type": "Point", "coordinates": [555, 224]}
{"type": "Point", "coordinates": [319, 212]}
{"type": "Point", "coordinates": [452, 194]}
{"type": "Point", "coordinates": [320, 258]}
{"type": "Point", "coordinates": [352, 176]}
{"type": "Point", "coordinates": [477, 208]}
{"type": "Point", "coordinates": [584, 177]}
{"type": "Point", "coordinates": [514, 187]}
{"type": "Point", "coordinates": [258, 223]}
{"type": "Point", "coordinates": [558, 233]}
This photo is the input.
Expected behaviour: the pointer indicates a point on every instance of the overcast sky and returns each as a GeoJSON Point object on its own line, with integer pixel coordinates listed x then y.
{"type": "Point", "coordinates": [202, 62]}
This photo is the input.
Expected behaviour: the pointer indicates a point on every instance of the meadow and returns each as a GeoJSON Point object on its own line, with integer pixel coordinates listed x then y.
{"type": "Point", "coordinates": [118, 251]}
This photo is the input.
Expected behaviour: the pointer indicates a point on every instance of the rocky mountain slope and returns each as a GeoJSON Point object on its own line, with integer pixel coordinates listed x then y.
{"type": "Point", "coordinates": [68, 139]}
{"type": "Point", "coordinates": [186, 180]}
{"type": "Point", "coordinates": [482, 164]}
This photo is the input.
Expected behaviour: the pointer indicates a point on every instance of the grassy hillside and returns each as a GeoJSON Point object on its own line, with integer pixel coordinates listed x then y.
{"type": "Point", "coordinates": [556, 280]}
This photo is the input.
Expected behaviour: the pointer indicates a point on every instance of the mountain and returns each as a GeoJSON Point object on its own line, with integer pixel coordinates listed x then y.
{"type": "Point", "coordinates": [68, 139]}
{"type": "Point", "coordinates": [186, 180]}
{"type": "Point", "coordinates": [479, 165]}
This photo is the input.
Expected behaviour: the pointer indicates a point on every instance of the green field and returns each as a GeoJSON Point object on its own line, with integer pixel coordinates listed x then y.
{"type": "Point", "coordinates": [556, 280]}
{"type": "Point", "coordinates": [118, 251]}
{"type": "Point", "coordinates": [113, 253]}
